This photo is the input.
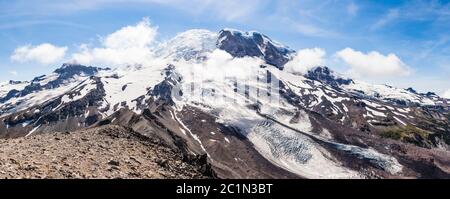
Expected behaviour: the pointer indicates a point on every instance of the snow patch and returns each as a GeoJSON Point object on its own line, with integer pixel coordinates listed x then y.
{"type": "Point", "coordinates": [33, 130]}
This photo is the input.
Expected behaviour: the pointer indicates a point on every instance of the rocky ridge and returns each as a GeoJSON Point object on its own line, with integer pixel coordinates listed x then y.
{"type": "Point", "coordinates": [102, 152]}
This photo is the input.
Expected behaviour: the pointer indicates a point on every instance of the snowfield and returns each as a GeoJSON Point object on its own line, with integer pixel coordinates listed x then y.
{"type": "Point", "coordinates": [387, 92]}
{"type": "Point", "coordinates": [35, 98]}
{"type": "Point", "coordinates": [124, 85]}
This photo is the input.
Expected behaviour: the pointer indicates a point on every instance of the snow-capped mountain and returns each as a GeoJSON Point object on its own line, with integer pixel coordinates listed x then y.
{"type": "Point", "coordinates": [226, 95]}
{"type": "Point", "coordinates": [189, 45]}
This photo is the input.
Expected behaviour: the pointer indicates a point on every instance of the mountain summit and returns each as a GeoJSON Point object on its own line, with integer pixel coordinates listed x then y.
{"type": "Point", "coordinates": [253, 44]}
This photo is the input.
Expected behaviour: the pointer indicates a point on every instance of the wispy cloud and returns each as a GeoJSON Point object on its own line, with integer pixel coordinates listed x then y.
{"type": "Point", "coordinates": [26, 23]}
{"type": "Point", "coordinates": [352, 9]}
{"type": "Point", "coordinates": [307, 29]}
{"type": "Point", "coordinates": [390, 16]}
{"type": "Point", "coordinates": [13, 72]}
{"type": "Point", "coordinates": [432, 10]}
{"type": "Point", "coordinates": [432, 45]}
{"type": "Point", "coordinates": [306, 17]}
{"type": "Point", "coordinates": [226, 10]}
{"type": "Point", "coordinates": [416, 10]}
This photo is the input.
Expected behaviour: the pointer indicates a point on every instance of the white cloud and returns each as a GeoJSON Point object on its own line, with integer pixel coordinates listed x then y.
{"type": "Point", "coordinates": [218, 70]}
{"type": "Point", "coordinates": [305, 59]}
{"type": "Point", "coordinates": [446, 94]}
{"type": "Point", "coordinates": [44, 53]}
{"type": "Point", "coordinates": [213, 68]}
{"type": "Point", "coordinates": [84, 56]}
{"type": "Point", "coordinates": [129, 45]}
{"type": "Point", "coordinates": [373, 63]}
{"type": "Point", "coordinates": [139, 36]}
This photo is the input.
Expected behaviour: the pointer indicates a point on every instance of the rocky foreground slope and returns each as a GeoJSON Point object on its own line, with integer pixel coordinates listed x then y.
{"type": "Point", "coordinates": [103, 152]}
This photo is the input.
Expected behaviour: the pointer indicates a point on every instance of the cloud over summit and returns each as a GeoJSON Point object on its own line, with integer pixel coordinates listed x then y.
{"type": "Point", "coordinates": [128, 45]}
{"type": "Point", "coordinates": [306, 59]}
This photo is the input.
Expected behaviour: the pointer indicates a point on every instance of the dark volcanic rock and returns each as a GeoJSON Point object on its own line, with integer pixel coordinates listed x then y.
{"type": "Point", "coordinates": [12, 82]}
{"type": "Point", "coordinates": [325, 75]}
{"type": "Point", "coordinates": [253, 44]}
{"type": "Point", "coordinates": [411, 90]}
{"type": "Point", "coordinates": [165, 90]}
{"type": "Point", "coordinates": [70, 70]}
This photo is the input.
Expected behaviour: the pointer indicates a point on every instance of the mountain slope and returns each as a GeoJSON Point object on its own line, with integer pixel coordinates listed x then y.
{"type": "Point", "coordinates": [104, 152]}
{"type": "Point", "coordinates": [227, 96]}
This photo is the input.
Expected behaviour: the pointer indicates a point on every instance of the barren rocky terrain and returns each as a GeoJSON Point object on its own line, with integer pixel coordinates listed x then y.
{"type": "Point", "coordinates": [103, 152]}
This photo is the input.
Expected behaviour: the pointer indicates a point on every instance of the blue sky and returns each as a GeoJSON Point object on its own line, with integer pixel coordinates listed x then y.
{"type": "Point", "coordinates": [409, 34]}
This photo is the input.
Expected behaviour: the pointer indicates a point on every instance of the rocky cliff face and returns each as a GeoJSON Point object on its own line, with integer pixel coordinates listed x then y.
{"type": "Point", "coordinates": [253, 44]}
{"type": "Point", "coordinates": [327, 76]}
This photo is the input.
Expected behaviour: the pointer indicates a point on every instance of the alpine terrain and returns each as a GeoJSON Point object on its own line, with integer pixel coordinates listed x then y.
{"type": "Point", "coordinates": [218, 105]}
